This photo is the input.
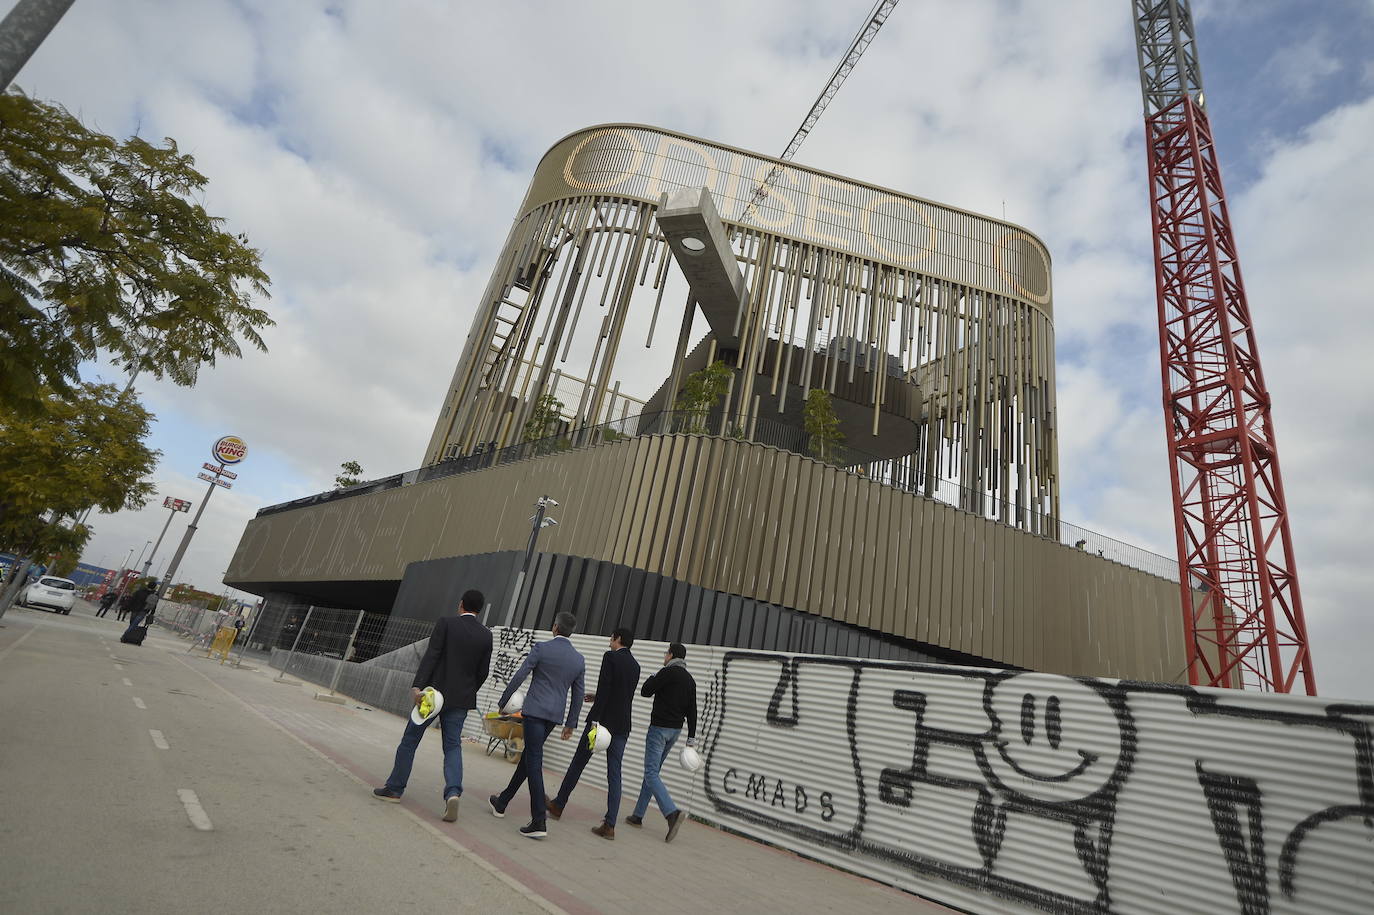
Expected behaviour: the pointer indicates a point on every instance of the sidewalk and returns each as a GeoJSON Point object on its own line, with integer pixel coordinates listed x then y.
{"type": "Point", "coordinates": [572, 870]}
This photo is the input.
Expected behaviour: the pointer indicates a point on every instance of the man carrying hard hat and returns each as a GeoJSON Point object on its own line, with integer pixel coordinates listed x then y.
{"type": "Point", "coordinates": [615, 692]}
{"type": "Point", "coordinates": [557, 675]}
{"type": "Point", "coordinates": [455, 665]}
{"type": "Point", "coordinates": [675, 701]}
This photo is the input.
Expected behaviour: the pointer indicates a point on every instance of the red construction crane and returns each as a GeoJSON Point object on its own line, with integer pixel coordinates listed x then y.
{"type": "Point", "coordinates": [1243, 617]}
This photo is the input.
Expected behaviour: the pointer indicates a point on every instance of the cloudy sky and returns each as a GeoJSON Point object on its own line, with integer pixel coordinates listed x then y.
{"type": "Point", "coordinates": [376, 151]}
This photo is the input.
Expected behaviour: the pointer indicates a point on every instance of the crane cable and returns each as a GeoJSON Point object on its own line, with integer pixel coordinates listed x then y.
{"type": "Point", "coordinates": [879, 15]}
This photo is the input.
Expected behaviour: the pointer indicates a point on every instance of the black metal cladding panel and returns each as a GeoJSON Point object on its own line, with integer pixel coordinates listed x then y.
{"type": "Point", "coordinates": [604, 595]}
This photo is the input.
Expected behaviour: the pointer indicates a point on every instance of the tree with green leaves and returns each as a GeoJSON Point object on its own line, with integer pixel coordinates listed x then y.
{"type": "Point", "coordinates": [545, 419]}
{"type": "Point", "coordinates": [63, 564]}
{"type": "Point", "coordinates": [75, 451]}
{"type": "Point", "coordinates": [824, 439]}
{"type": "Point", "coordinates": [700, 393]}
{"type": "Point", "coordinates": [83, 449]}
{"type": "Point", "coordinates": [104, 250]}
{"type": "Point", "coordinates": [350, 474]}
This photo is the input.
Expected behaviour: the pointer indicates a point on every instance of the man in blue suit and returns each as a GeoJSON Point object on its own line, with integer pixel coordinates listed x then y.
{"type": "Point", "coordinates": [557, 679]}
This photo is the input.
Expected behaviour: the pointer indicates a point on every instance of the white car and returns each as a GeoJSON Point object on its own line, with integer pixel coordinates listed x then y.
{"type": "Point", "coordinates": [50, 592]}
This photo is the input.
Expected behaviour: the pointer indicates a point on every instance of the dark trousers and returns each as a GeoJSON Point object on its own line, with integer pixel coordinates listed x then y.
{"type": "Point", "coordinates": [531, 767]}
{"type": "Point", "coordinates": [104, 609]}
{"type": "Point", "coordinates": [614, 754]}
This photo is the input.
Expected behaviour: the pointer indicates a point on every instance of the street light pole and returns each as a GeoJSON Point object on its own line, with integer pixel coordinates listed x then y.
{"type": "Point", "coordinates": [23, 30]}
{"type": "Point", "coordinates": [174, 507]}
{"type": "Point", "coordinates": [186, 540]}
{"type": "Point", "coordinates": [538, 523]}
{"type": "Point", "coordinates": [146, 544]}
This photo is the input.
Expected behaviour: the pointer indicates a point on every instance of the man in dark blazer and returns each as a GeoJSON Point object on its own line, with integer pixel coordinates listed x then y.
{"type": "Point", "coordinates": [557, 675]}
{"type": "Point", "coordinates": [615, 692]}
{"type": "Point", "coordinates": [456, 664]}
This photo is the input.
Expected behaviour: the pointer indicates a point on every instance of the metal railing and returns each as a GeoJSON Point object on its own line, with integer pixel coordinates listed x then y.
{"type": "Point", "coordinates": [785, 437]}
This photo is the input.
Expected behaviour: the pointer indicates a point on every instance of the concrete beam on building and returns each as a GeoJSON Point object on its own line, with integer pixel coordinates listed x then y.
{"type": "Point", "coordinates": [690, 222]}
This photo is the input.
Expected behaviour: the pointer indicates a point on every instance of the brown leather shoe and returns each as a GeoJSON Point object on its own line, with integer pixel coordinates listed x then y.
{"type": "Point", "coordinates": [604, 830]}
{"type": "Point", "coordinates": [555, 809]}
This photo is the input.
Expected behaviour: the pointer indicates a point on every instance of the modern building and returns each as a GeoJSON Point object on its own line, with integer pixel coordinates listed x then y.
{"type": "Point", "coordinates": [928, 528]}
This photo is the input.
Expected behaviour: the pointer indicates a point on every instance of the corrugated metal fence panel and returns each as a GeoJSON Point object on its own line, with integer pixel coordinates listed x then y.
{"type": "Point", "coordinates": [1000, 791]}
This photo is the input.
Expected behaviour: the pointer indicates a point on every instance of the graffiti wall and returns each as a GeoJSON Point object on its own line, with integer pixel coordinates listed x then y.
{"type": "Point", "coordinates": [998, 791]}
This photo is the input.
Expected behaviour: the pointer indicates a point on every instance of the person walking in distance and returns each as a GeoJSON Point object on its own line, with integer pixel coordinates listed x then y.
{"type": "Point", "coordinates": [615, 691]}
{"type": "Point", "coordinates": [106, 602]}
{"type": "Point", "coordinates": [557, 675]}
{"type": "Point", "coordinates": [138, 605]}
{"type": "Point", "coordinates": [675, 700]}
{"type": "Point", "coordinates": [122, 605]}
{"type": "Point", "coordinates": [456, 664]}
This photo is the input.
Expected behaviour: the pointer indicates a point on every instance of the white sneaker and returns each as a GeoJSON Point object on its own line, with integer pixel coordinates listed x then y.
{"type": "Point", "coordinates": [451, 809]}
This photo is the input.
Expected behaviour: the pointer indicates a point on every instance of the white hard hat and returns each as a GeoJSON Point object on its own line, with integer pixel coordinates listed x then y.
{"type": "Point", "coordinates": [437, 698]}
{"type": "Point", "coordinates": [515, 703]}
{"type": "Point", "coordinates": [598, 739]}
{"type": "Point", "coordinates": [690, 759]}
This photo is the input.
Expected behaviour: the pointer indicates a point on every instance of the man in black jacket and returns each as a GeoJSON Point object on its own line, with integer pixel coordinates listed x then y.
{"type": "Point", "coordinates": [139, 604]}
{"type": "Point", "coordinates": [675, 700]}
{"type": "Point", "coordinates": [456, 664]}
{"type": "Point", "coordinates": [615, 691]}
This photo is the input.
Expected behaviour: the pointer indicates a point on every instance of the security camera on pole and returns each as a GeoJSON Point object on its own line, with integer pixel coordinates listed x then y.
{"type": "Point", "coordinates": [229, 449]}
{"type": "Point", "coordinates": [538, 522]}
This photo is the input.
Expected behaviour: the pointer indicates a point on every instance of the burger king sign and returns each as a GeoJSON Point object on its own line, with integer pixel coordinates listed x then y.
{"type": "Point", "coordinates": [229, 449]}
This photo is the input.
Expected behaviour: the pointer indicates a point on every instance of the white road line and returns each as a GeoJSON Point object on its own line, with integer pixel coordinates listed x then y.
{"type": "Point", "coordinates": [139, 702]}
{"type": "Point", "coordinates": [199, 819]}
{"type": "Point", "coordinates": [158, 740]}
{"type": "Point", "coordinates": [128, 682]}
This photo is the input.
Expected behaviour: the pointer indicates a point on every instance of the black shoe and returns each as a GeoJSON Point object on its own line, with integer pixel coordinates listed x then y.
{"type": "Point", "coordinates": [634, 821]}
{"type": "Point", "coordinates": [674, 822]}
{"type": "Point", "coordinates": [534, 830]}
{"type": "Point", "coordinates": [386, 794]}
{"type": "Point", "coordinates": [498, 809]}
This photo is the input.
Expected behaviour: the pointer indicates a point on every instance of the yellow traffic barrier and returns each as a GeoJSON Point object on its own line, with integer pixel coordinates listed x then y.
{"type": "Point", "coordinates": [224, 640]}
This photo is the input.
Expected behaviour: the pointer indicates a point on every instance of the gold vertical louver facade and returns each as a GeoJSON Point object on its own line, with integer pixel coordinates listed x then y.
{"type": "Point", "coordinates": [927, 301]}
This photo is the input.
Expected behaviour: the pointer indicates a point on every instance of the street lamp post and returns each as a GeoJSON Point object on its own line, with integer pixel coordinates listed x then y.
{"type": "Point", "coordinates": [146, 544]}
{"type": "Point", "coordinates": [537, 523]}
{"type": "Point", "coordinates": [174, 506]}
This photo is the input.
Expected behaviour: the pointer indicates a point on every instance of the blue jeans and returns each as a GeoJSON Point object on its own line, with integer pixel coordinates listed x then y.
{"type": "Point", "coordinates": [451, 727]}
{"type": "Point", "coordinates": [657, 744]}
{"type": "Point", "coordinates": [614, 754]}
{"type": "Point", "coordinates": [531, 767]}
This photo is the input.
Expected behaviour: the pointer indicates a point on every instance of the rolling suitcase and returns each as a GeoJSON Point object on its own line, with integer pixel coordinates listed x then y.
{"type": "Point", "coordinates": [135, 635]}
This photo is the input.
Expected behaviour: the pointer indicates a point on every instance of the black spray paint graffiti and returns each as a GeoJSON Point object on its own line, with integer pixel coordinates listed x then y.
{"type": "Point", "coordinates": [1068, 795]}
{"type": "Point", "coordinates": [511, 649]}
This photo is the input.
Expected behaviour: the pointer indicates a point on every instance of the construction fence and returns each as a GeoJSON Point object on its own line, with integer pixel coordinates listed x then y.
{"type": "Point", "coordinates": [989, 790]}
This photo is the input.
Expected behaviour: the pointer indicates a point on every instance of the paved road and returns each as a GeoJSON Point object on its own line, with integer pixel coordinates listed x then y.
{"type": "Point", "coordinates": [148, 779]}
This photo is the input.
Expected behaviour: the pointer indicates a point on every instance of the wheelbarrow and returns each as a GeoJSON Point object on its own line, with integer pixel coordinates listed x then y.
{"type": "Point", "coordinates": [506, 732]}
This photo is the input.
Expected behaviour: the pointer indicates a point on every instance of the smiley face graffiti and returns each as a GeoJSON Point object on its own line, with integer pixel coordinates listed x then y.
{"type": "Point", "coordinates": [1048, 741]}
